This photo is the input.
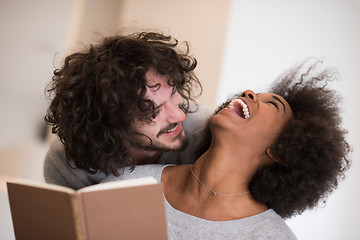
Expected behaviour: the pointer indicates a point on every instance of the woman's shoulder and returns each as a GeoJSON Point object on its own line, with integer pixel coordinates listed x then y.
{"type": "Point", "coordinates": [274, 226]}
{"type": "Point", "coordinates": [266, 225]}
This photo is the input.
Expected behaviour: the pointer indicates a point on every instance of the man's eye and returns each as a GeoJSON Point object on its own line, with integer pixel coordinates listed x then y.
{"type": "Point", "coordinates": [273, 103]}
{"type": "Point", "coordinates": [155, 114]}
{"type": "Point", "coordinates": [174, 90]}
{"type": "Point", "coordinates": [182, 107]}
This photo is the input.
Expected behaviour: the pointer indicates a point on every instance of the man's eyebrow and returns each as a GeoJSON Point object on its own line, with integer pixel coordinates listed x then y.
{"type": "Point", "coordinates": [159, 106]}
{"type": "Point", "coordinates": [173, 91]}
{"type": "Point", "coordinates": [276, 98]}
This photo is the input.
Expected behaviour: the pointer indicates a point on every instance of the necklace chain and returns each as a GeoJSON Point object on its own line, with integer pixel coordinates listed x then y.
{"type": "Point", "coordinates": [212, 190]}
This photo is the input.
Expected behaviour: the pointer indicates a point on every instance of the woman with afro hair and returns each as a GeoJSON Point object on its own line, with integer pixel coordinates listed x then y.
{"type": "Point", "coordinates": [265, 157]}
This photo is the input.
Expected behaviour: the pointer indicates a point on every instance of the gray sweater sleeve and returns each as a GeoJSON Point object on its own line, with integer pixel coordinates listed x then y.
{"type": "Point", "coordinates": [57, 170]}
{"type": "Point", "coordinates": [264, 226]}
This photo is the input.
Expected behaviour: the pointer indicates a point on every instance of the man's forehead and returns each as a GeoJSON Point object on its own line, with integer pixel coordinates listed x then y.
{"type": "Point", "coordinates": [153, 75]}
{"type": "Point", "coordinates": [155, 80]}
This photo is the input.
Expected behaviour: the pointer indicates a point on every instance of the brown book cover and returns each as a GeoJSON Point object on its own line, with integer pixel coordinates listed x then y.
{"type": "Point", "coordinates": [129, 209]}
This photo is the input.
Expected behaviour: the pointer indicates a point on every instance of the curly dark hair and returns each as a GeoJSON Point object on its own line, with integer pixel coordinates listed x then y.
{"type": "Point", "coordinates": [312, 148]}
{"type": "Point", "coordinates": [98, 93]}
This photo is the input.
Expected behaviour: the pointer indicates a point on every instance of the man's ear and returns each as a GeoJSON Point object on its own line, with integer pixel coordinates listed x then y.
{"type": "Point", "coordinates": [268, 153]}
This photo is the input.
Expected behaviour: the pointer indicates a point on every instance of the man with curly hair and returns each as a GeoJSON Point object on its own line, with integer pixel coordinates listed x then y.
{"type": "Point", "coordinates": [122, 103]}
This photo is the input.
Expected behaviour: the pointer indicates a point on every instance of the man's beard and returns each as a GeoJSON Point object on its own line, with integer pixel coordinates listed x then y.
{"type": "Point", "coordinates": [154, 145]}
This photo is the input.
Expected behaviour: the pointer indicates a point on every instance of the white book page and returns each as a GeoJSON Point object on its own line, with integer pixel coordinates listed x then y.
{"type": "Point", "coordinates": [120, 184]}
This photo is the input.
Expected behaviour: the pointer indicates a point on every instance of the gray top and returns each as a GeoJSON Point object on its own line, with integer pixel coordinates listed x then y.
{"type": "Point", "coordinates": [266, 225]}
{"type": "Point", "coordinates": [57, 171]}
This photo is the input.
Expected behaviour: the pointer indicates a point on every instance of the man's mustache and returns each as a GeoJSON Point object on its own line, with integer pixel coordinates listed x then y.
{"type": "Point", "coordinates": [167, 128]}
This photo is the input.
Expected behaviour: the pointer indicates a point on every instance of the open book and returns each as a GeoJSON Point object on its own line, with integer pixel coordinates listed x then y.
{"type": "Point", "coordinates": [128, 209]}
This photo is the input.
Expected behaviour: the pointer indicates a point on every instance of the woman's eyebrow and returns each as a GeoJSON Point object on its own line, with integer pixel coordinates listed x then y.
{"type": "Point", "coordinates": [276, 98]}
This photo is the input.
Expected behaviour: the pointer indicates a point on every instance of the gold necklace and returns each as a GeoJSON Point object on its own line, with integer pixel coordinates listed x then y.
{"type": "Point", "coordinates": [212, 190]}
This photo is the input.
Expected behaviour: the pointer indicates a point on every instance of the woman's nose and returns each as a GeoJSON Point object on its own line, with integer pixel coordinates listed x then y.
{"type": "Point", "coordinates": [250, 95]}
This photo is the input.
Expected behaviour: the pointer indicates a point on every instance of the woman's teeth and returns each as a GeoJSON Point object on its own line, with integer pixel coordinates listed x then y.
{"type": "Point", "coordinates": [244, 107]}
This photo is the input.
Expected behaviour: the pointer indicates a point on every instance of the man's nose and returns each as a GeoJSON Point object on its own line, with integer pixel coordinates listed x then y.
{"type": "Point", "coordinates": [174, 113]}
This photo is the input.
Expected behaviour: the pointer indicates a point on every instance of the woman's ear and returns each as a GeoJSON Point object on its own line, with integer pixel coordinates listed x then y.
{"type": "Point", "coordinates": [268, 153]}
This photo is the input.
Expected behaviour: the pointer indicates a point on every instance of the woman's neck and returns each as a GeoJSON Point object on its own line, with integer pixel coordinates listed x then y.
{"type": "Point", "coordinates": [226, 171]}
{"type": "Point", "coordinates": [226, 174]}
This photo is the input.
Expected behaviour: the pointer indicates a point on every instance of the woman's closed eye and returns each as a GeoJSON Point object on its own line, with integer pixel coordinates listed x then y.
{"type": "Point", "coordinates": [274, 103]}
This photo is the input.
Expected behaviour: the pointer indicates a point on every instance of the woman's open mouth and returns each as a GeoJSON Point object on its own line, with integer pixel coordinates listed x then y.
{"type": "Point", "coordinates": [240, 108]}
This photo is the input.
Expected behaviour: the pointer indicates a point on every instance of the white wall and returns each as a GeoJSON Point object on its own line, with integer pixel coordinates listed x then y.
{"type": "Point", "coordinates": [265, 38]}
{"type": "Point", "coordinates": [32, 32]}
